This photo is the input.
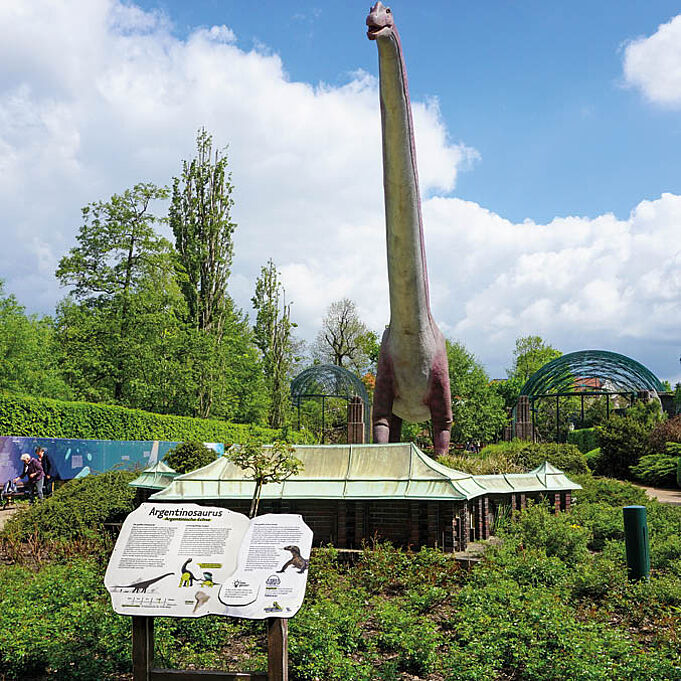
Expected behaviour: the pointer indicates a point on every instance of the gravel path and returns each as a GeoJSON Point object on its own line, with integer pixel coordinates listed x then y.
{"type": "Point", "coordinates": [666, 496]}
{"type": "Point", "coordinates": [6, 514]}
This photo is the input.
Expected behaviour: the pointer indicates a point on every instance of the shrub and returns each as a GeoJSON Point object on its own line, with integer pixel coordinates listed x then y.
{"type": "Point", "coordinates": [648, 414]}
{"type": "Point", "coordinates": [607, 491]}
{"type": "Point", "coordinates": [623, 441]}
{"type": "Point", "coordinates": [490, 464]}
{"type": "Point", "coordinates": [656, 470]}
{"type": "Point", "coordinates": [557, 535]}
{"type": "Point", "coordinates": [188, 456]}
{"type": "Point", "coordinates": [77, 510]}
{"type": "Point", "coordinates": [586, 439]}
{"type": "Point", "coordinates": [600, 577]}
{"type": "Point", "coordinates": [592, 458]}
{"type": "Point", "coordinates": [567, 457]}
{"type": "Point", "coordinates": [664, 432]}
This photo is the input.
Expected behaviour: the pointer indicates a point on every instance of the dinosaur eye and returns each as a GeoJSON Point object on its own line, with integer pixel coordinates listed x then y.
{"type": "Point", "coordinates": [387, 10]}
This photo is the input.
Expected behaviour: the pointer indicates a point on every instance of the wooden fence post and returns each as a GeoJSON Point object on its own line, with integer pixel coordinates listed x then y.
{"type": "Point", "coordinates": [277, 649]}
{"type": "Point", "coordinates": [142, 647]}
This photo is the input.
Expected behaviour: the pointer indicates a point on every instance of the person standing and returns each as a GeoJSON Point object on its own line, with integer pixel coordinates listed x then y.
{"type": "Point", "coordinates": [48, 470]}
{"type": "Point", "coordinates": [33, 472]}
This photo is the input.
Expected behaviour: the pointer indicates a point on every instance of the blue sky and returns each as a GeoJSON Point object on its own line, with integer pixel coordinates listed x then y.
{"type": "Point", "coordinates": [536, 87]}
{"type": "Point", "coordinates": [548, 137]}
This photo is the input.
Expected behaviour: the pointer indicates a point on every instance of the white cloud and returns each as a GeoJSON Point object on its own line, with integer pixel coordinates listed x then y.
{"type": "Point", "coordinates": [96, 96]}
{"type": "Point", "coordinates": [582, 283]}
{"type": "Point", "coordinates": [100, 95]}
{"type": "Point", "coordinates": [653, 64]}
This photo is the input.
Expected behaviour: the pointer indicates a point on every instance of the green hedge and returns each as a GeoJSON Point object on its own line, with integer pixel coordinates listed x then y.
{"type": "Point", "coordinates": [21, 415]}
{"type": "Point", "coordinates": [585, 438]}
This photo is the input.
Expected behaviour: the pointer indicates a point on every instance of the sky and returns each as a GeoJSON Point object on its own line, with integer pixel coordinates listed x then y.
{"type": "Point", "coordinates": [548, 137]}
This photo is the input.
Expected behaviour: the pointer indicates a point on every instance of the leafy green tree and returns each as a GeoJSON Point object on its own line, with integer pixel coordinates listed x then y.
{"type": "Point", "coordinates": [273, 337]}
{"type": "Point", "coordinates": [158, 377]}
{"type": "Point", "coordinates": [677, 398]}
{"type": "Point", "coordinates": [477, 409]}
{"type": "Point", "coordinates": [226, 370]}
{"type": "Point", "coordinates": [118, 250]}
{"type": "Point", "coordinates": [370, 345]}
{"type": "Point", "coordinates": [265, 464]}
{"type": "Point", "coordinates": [29, 354]}
{"type": "Point", "coordinates": [531, 353]}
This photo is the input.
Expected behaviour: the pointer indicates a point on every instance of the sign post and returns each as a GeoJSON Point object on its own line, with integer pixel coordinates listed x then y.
{"type": "Point", "coordinates": [185, 560]}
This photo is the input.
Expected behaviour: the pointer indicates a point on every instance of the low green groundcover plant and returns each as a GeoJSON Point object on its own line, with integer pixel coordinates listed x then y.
{"type": "Point", "coordinates": [550, 602]}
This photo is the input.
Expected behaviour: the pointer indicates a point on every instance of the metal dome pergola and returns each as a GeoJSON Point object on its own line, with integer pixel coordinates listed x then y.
{"type": "Point", "coordinates": [329, 380]}
{"type": "Point", "coordinates": [590, 373]}
{"type": "Point", "coordinates": [575, 372]}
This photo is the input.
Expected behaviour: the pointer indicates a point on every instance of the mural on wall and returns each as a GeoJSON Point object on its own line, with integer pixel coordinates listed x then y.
{"type": "Point", "coordinates": [74, 457]}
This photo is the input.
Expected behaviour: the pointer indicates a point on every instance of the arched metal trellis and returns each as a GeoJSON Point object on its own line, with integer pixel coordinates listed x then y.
{"type": "Point", "coordinates": [329, 380]}
{"type": "Point", "coordinates": [590, 373]}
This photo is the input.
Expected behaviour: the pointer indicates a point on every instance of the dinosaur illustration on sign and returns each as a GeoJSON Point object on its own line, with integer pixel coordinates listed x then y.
{"type": "Point", "coordinates": [143, 585]}
{"type": "Point", "coordinates": [412, 380]}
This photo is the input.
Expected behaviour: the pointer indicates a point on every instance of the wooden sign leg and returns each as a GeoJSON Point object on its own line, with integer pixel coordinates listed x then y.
{"type": "Point", "coordinates": [277, 649]}
{"type": "Point", "coordinates": [142, 647]}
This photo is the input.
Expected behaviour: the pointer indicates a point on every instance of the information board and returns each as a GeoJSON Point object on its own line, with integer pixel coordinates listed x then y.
{"type": "Point", "coordinates": [185, 560]}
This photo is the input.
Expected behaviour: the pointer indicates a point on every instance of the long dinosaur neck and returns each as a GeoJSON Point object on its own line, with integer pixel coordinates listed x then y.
{"type": "Point", "coordinates": [407, 274]}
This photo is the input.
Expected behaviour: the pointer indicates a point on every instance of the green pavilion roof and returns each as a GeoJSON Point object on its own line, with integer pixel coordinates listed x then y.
{"type": "Point", "coordinates": [157, 476]}
{"type": "Point", "coordinates": [389, 471]}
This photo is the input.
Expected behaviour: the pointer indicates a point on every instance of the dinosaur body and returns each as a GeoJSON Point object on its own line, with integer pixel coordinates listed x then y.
{"type": "Point", "coordinates": [143, 585]}
{"type": "Point", "coordinates": [412, 381]}
{"type": "Point", "coordinates": [296, 560]}
{"type": "Point", "coordinates": [187, 577]}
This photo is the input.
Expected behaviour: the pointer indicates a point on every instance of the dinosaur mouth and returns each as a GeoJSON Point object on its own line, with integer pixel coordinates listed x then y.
{"type": "Point", "coordinates": [374, 31]}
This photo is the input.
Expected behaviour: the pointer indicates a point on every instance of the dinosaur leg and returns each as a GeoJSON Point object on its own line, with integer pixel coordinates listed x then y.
{"type": "Point", "coordinates": [395, 428]}
{"type": "Point", "coordinates": [384, 394]}
{"type": "Point", "coordinates": [440, 404]}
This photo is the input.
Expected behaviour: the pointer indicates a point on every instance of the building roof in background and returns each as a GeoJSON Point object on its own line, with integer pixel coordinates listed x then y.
{"type": "Point", "coordinates": [157, 476]}
{"type": "Point", "coordinates": [387, 471]}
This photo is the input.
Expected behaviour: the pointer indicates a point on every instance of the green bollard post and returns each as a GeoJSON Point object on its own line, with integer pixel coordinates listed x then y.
{"type": "Point", "coordinates": [636, 539]}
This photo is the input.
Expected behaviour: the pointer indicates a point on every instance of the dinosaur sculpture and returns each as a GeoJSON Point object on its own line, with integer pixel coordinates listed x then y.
{"type": "Point", "coordinates": [143, 585]}
{"type": "Point", "coordinates": [412, 381]}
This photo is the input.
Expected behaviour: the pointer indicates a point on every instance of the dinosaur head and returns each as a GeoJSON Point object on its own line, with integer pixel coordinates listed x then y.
{"type": "Point", "coordinates": [380, 22]}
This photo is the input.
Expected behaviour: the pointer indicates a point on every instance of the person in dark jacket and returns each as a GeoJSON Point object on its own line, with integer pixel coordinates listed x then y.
{"type": "Point", "coordinates": [33, 472]}
{"type": "Point", "coordinates": [48, 469]}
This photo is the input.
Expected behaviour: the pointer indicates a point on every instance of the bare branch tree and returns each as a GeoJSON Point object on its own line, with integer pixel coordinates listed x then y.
{"type": "Point", "coordinates": [342, 340]}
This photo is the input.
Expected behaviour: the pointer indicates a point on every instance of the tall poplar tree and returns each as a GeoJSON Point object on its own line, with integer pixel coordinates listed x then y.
{"type": "Point", "coordinates": [200, 217]}
{"type": "Point", "coordinates": [272, 331]}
